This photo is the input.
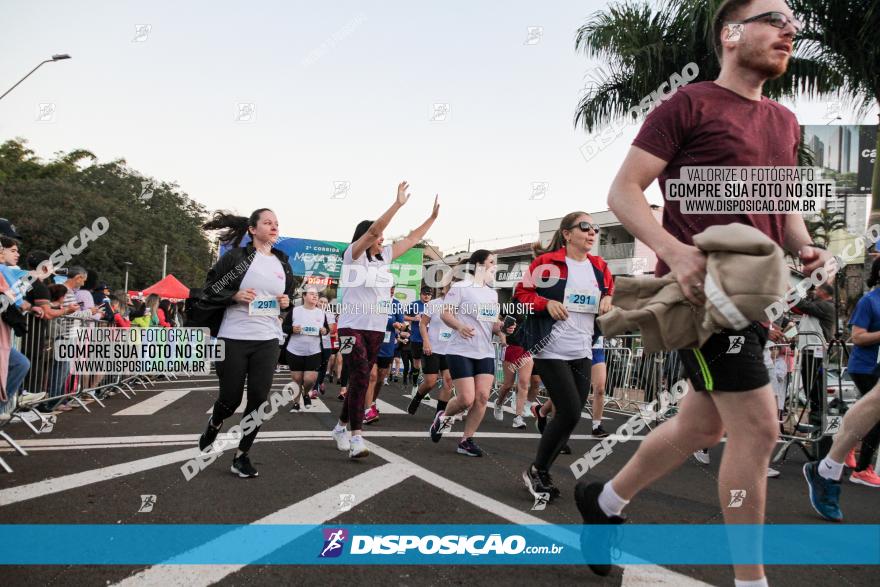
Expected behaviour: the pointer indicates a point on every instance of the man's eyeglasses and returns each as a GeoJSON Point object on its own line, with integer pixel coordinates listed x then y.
{"type": "Point", "coordinates": [585, 226]}
{"type": "Point", "coordinates": [774, 19]}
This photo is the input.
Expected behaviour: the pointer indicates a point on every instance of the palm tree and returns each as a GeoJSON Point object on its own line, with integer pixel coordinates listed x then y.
{"type": "Point", "coordinates": [837, 53]}
{"type": "Point", "coordinates": [823, 224]}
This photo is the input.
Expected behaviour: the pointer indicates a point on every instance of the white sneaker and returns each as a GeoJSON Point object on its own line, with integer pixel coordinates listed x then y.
{"type": "Point", "coordinates": [29, 398]}
{"type": "Point", "coordinates": [342, 438]}
{"type": "Point", "coordinates": [702, 457]}
{"type": "Point", "coordinates": [772, 473]}
{"type": "Point", "coordinates": [518, 423]}
{"type": "Point", "coordinates": [498, 412]}
{"type": "Point", "coordinates": [357, 449]}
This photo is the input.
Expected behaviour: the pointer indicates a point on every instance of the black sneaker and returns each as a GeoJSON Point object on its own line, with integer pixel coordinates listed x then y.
{"type": "Point", "coordinates": [307, 401]}
{"type": "Point", "coordinates": [587, 499]}
{"type": "Point", "coordinates": [540, 421]}
{"type": "Point", "coordinates": [600, 432]}
{"type": "Point", "coordinates": [469, 448]}
{"type": "Point", "coordinates": [330, 378]}
{"type": "Point", "coordinates": [208, 436]}
{"type": "Point", "coordinates": [534, 482]}
{"type": "Point", "coordinates": [295, 407]}
{"type": "Point", "coordinates": [242, 467]}
{"type": "Point", "coordinates": [414, 404]}
{"type": "Point", "coordinates": [565, 450]}
{"type": "Point", "coordinates": [438, 427]}
{"type": "Point", "coordinates": [538, 481]}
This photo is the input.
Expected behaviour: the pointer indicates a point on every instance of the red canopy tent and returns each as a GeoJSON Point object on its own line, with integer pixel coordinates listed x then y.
{"type": "Point", "coordinates": [169, 287]}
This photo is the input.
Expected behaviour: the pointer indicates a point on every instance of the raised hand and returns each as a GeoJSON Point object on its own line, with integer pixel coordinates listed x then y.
{"type": "Point", "coordinates": [402, 196]}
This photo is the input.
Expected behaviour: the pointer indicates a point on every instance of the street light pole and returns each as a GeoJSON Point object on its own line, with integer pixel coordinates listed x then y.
{"type": "Point", "coordinates": [127, 265]}
{"type": "Point", "coordinates": [164, 260]}
{"type": "Point", "coordinates": [54, 58]}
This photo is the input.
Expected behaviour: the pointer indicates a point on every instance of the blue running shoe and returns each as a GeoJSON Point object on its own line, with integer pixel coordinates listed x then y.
{"type": "Point", "coordinates": [824, 493]}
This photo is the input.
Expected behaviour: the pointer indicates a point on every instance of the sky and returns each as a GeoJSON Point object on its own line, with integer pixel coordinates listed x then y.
{"type": "Point", "coordinates": [318, 110]}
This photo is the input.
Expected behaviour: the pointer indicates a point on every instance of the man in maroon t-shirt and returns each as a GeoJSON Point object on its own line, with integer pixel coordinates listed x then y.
{"type": "Point", "coordinates": [722, 123]}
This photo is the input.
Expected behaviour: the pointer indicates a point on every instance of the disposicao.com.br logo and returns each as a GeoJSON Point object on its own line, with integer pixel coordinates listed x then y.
{"type": "Point", "coordinates": [457, 544]}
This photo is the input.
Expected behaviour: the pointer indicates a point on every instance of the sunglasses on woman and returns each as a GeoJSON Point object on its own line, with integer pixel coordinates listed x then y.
{"type": "Point", "coordinates": [585, 226]}
{"type": "Point", "coordinates": [774, 19]}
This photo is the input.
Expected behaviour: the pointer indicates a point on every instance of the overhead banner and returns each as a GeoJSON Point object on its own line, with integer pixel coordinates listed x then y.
{"type": "Point", "coordinates": [320, 262]}
{"type": "Point", "coordinates": [407, 271]}
{"type": "Point", "coordinates": [313, 257]}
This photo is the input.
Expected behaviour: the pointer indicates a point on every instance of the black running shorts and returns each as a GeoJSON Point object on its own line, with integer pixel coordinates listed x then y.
{"type": "Point", "coordinates": [305, 363]}
{"type": "Point", "coordinates": [434, 363]}
{"type": "Point", "coordinates": [731, 360]}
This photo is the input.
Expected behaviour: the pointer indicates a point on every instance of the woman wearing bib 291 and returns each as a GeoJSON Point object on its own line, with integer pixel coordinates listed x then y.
{"type": "Point", "coordinates": [561, 331]}
{"type": "Point", "coordinates": [365, 295]}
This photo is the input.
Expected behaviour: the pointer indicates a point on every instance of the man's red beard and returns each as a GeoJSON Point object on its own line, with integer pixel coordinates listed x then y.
{"type": "Point", "coordinates": [765, 62]}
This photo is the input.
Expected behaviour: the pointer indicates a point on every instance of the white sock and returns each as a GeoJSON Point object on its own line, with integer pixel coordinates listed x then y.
{"type": "Point", "coordinates": [830, 469]}
{"type": "Point", "coordinates": [339, 427]}
{"type": "Point", "coordinates": [609, 502]}
{"type": "Point", "coordinates": [762, 582]}
{"type": "Point", "coordinates": [596, 423]}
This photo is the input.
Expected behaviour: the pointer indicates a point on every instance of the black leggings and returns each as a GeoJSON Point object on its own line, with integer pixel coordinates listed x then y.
{"type": "Point", "coordinates": [322, 370]}
{"type": "Point", "coordinates": [567, 383]}
{"type": "Point", "coordinates": [811, 375]}
{"type": "Point", "coordinates": [406, 359]}
{"type": "Point", "coordinates": [866, 383]}
{"type": "Point", "coordinates": [343, 375]}
{"type": "Point", "coordinates": [255, 361]}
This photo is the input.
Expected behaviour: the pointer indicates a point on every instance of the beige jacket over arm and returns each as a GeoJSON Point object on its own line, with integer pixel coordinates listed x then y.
{"type": "Point", "coordinates": [745, 273]}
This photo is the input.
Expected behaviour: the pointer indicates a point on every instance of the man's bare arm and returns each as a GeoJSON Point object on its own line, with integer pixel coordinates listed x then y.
{"type": "Point", "coordinates": [626, 199]}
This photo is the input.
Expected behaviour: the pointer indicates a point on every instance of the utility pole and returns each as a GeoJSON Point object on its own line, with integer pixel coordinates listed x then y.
{"type": "Point", "coordinates": [164, 261]}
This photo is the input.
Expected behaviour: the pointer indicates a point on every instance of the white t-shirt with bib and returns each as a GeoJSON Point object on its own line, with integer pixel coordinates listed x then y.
{"type": "Point", "coordinates": [438, 333]}
{"type": "Point", "coordinates": [573, 338]}
{"type": "Point", "coordinates": [365, 291]}
{"type": "Point", "coordinates": [478, 308]}
{"type": "Point", "coordinates": [265, 275]}
{"type": "Point", "coordinates": [312, 321]}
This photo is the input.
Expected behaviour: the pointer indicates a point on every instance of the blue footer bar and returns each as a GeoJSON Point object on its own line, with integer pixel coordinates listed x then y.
{"type": "Point", "coordinates": [630, 544]}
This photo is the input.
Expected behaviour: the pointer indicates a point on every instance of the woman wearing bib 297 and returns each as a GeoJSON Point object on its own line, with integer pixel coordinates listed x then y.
{"type": "Point", "coordinates": [365, 293]}
{"type": "Point", "coordinates": [561, 330]}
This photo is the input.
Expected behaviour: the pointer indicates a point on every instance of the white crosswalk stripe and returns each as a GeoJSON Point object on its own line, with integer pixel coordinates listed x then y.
{"type": "Point", "coordinates": [153, 404]}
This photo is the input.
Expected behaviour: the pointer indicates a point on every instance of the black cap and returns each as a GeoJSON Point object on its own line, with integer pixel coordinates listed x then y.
{"type": "Point", "coordinates": [101, 287]}
{"type": "Point", "coordinates": [8, 229]}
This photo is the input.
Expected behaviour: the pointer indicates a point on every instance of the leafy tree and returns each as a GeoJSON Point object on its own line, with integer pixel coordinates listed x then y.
{"type": "Point", "coordinates": [823, 224]}
{"type": "Point", "coordinates": [50, 202]}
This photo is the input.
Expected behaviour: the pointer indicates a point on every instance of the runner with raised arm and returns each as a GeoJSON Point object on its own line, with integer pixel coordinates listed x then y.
{"type": "Point", "coordinates": [365, 295]}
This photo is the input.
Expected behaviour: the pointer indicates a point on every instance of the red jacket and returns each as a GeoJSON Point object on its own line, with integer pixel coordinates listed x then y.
{"type": "Point", "coordinates": [529, 291]}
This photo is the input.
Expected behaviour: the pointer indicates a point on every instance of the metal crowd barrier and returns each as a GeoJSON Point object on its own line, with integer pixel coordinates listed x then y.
{"type": "Point", "coordinates": [634, 379]}
{"type": "Point", "coordinates": [808, 390]}
{"type": "Point", "coordinates": [54, 378]}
